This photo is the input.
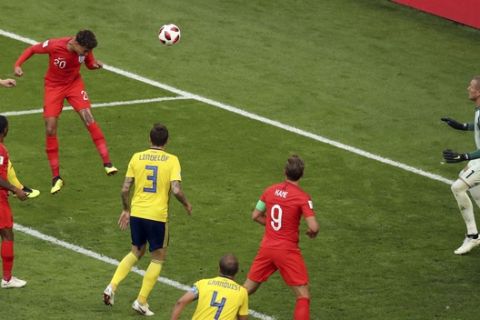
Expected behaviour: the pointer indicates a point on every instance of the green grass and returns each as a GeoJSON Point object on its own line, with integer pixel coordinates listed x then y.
{"type": "Point", "coordinates": [366, 73]}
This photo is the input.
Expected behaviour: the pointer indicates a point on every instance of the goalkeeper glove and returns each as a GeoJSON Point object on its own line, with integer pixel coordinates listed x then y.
{"type": "Point", "coordinates": [454, 157]}
{"type": "Point", "coordinates": [455, 124]}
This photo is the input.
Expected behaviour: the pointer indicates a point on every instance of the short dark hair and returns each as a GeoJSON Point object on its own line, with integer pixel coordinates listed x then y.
{"type": "Point", "coordinates": [228, 265]}
{"type": "Point", "coordinates": [3, 124]}
{"type": "Point", "coordinates": [159, 135]}
{"type": "Point", "coordinates": [86, 39]}
{"type": "Point", "coordinates": [294, 168]}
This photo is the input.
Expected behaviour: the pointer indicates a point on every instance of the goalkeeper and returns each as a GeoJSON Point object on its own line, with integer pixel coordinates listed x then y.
{"type": "Point", "coordinates": [469, 177]}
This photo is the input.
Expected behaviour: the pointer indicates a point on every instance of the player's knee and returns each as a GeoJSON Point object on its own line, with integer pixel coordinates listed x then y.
{"type": "Point", "coordinates": [301, 292]}
{"type": "Point", "coordinates": [459, 187]}
{"type": "Point", "coordinates": [51, 129]}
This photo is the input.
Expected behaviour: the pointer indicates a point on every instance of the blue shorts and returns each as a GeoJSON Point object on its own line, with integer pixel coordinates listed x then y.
{"type": "Point", "coordinates": [143, 230]}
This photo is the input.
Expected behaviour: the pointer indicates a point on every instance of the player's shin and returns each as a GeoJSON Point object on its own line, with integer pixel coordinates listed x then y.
{"type": "Point", "coordinates": [7, 259]}
{"type": "Point", "coordinates": [99, 140]}
{"type": "Point", "coordinates": [149, 279]}
{"type": "Point", "coordinates": [123, 269]}
{"type": "Point", "coordinates": [302, 309]}
{"type": "Point", "coordinates": [52, 154]}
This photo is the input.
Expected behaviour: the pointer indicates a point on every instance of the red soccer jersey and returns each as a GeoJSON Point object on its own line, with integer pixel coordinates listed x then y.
{"type": "Point", "coordinates": [285, 204]}
{"type": "Point", "coordinates": [64, 65]}
{"type": "Point", "coordinates": [3, 168]}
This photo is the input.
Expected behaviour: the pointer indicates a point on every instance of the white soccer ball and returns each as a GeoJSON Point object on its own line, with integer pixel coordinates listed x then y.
{"type": "Point", "coordinates": [169, 34]}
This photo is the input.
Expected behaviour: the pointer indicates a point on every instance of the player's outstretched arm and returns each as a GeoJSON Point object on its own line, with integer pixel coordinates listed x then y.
{"type": "Point", "coordinates": [39, 48]}
{"type": "Point", "coordinates": [8, 83]}
{"type": "Point", "coordinates": [455, 124]}
{"type": "Point", "coordinates": [181, 303]}
{"type": "Point", "coordinates": [451, 156]}
{"type": "Point", "coordinates": [176, 188]}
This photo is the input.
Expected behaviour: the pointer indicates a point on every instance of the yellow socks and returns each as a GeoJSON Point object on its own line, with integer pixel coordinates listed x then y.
{"type": "Point", "coordinates": [149, 280]}
{"type": "Point", "coordinates": [123, 269]}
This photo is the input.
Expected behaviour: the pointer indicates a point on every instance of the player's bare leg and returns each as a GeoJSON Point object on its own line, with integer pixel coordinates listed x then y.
{"type": "Point", "coordinates": [98, 139]}
{"type": "Point", "coordinates": [52, 153]}
{"type": "Point", "coordinates": [251, 286]}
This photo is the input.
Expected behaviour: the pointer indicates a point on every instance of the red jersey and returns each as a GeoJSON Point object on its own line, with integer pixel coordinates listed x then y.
{"type": "Point", "coordinates": [285, 204]}
{"type": "Point", "coordinates": [3, 168]}
{"type": "Point", "coordinates": [64, 65]}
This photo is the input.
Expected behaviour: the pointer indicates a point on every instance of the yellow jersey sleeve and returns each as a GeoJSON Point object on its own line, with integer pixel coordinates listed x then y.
{"type": "Point", "coordinates": [176, 172]}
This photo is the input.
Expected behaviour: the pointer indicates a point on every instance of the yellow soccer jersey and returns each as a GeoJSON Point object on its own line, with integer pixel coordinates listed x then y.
{"type": "Point", "coordinates": [220, 298]}
{"type": "Point", "coordinates": [152, 170]}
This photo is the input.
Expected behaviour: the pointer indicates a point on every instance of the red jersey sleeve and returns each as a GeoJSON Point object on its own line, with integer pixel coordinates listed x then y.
{"type": "Point", "coordinates": [40, 48]}
{"type": "Point", "coordinates": [90, 60]}
{"type": "Point", "coordinates": [263, 197]}
{"type": "Point", "coordinates": [307, 208]}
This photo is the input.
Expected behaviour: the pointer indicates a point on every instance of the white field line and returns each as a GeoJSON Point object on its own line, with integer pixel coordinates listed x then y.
{"type": "Point", "coordinates": [254, 116]}
{"type": "Point", "coordinates": [37, 234]}
{"type": "Point", "coordinates": [97, 105]}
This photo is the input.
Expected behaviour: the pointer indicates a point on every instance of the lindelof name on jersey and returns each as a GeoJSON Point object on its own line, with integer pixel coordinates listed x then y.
{"type": "Point", "coordinates": [153, 157]}
{"type": "Point", "coordinates": [281, 193]}
{"type": "Point", "coordinates": [223, 284]}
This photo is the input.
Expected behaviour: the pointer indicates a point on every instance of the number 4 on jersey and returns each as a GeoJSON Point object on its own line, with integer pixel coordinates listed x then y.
{"type": "Point", "coordinates": [219, 305]}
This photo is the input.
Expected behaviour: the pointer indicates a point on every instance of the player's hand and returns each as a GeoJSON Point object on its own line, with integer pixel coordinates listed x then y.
{"type": "Point", "coordinates": [454, 157]}
{"type": "Point", "coordinates": [311, 234]}
{"type": "Point", "coordinates": [8, 83]}
{"type": "Point", "coordinates": [455, 124]}
{"type": "Point", "coordinates": [18, 71]}
{"type": "Point", "coordinates": [188, 208]}
{"type": "Point", "coordinates": [124, 220]}
{"type": "Point", "coordinates": [98, 64]}
{"type": "Point", "coordinates": [21, 195]}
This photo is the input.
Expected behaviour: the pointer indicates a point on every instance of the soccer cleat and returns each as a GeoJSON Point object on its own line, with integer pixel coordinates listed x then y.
{"type": "Point", "coordinates": [142, 309]}
{"type": "Point", "coordinates": [110, 170]}
{"type": "Point", "coordinates": [108, 296]}
{"type": "Point", "coordinates": [13, 283]}
{"type": "Point", "coordinates": [31, 193]}
{"type": "Point", "coordinates": [467, 245]}
{"type": "Point", "coordinates": [57, 184]}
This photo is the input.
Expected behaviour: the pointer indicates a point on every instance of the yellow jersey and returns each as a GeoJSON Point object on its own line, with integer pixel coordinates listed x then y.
{"type": "Point", "coordinates": [219, 298]}
{"type": "Point", "coordinates": [152, 171]}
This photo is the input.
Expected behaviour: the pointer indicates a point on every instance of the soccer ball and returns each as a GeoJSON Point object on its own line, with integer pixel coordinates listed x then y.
{"type": "Point", "coordinates": [169, 34]}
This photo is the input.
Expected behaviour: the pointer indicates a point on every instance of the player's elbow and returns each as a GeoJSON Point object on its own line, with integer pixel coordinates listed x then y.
{"type": "Point", "coordinates": [256, 215]}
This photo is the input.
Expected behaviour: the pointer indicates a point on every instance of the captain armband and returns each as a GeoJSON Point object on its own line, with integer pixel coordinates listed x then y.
{"type": "Point", "coordinates": [260, 206]}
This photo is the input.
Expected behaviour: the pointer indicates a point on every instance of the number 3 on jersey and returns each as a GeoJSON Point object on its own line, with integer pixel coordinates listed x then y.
{"type": "Point", "coordinates": [276, 215]}
{"type": "Point", "coordinates": [153, 178]}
